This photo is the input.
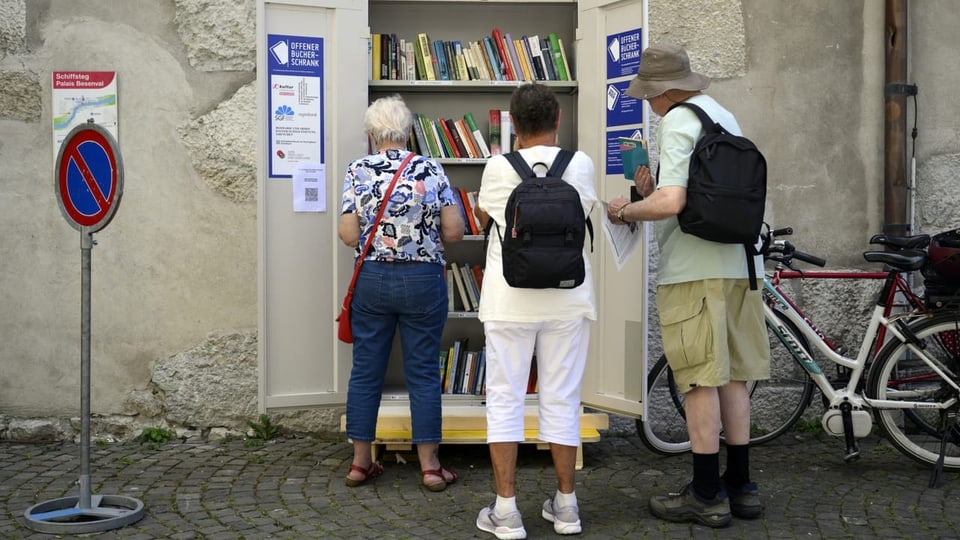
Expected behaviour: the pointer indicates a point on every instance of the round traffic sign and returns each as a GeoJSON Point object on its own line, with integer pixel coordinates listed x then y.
{"type": "Point", "coordinates": [89, 179]}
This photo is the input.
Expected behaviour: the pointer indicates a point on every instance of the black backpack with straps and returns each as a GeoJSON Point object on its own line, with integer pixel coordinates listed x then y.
{"type": "Point", "coordinates": [726, 190]}
{"type": "Point", "coordinates": [545, 228]}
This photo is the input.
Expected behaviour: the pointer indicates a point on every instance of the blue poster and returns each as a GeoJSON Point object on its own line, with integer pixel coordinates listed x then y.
{"type": "Point", "coordinates": [294, 102]}
{"type": "Point", "coordinates": [623, 53]}
{"type": "Point", "coordinates": [614, 165]}
{"type": "Point", "coordinates": [622, 110]}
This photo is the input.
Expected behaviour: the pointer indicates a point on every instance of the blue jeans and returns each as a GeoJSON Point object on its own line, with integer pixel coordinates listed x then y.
{"type": "Point", "coordinates": [412, 296]}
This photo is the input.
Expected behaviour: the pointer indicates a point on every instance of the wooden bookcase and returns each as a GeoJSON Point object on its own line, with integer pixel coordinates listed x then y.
{"type": "Point", "coordinates": [464, 414]}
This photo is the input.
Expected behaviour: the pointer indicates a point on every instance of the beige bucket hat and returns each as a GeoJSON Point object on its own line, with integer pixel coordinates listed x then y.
{"type": "Point", "coordinates": [664, 67]}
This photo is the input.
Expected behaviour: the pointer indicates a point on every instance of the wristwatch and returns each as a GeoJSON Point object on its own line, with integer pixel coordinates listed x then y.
{"type": "Point", "coordinates": [620, 213]}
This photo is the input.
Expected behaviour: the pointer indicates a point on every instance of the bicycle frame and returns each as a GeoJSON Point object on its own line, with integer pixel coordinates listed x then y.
{"type": "Point", "coordinates": [898, 286]}
{"type": "Point", "coordinates": [849, 394]}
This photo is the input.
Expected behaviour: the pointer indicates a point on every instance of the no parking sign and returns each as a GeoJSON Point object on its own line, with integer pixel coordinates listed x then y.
{"type": "Point", "coordinates": [89, 177]}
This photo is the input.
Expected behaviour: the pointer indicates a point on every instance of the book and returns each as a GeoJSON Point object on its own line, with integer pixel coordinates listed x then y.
{"type": "Point", "coordinates": [458, 145]}
{"type": "Point", "coordinates": [566, 63]}
{"type": "Point", "coordinates": [429, 135]}
{"type": "Point", "coordinates": [451, 368]}
{"type": "Point", "coordinates": [450, 59]}
{"type": "Point", "coordinates": [420, 70]}
{"type": "Point", "coordinates": [440, 58]}
{"type": "Point", "coordinates": [376, 47]}
{"type": "Point", "coordinates": [393, 61]}
{"type": "Point", "coordinates": [442, 145]}
{"type": "Point", "coordinates": [557, 56]}
{"type": "Point", "coordinates": [506, 132]}
{"type": "Point", "coordinates": [461, 61]}
{"type": "Point", "coordinates": [547, 56]}
{"type": "Point", "coordinates": [478, 137]}
{"type": "Point", "coordinates": [504, 56]}
{"type": "Point", "coordinates": [461, 287]}
{"type": "Point", "coordinates": [409, 61]}
{"type": "Point", "coordinates": [633, 153]}
{"type": "Point", "coordinates": [460, 350]}
{"type": "Point", "coordinates": [524, 61]}
{"type": "Point", "coordinates": [448, 143]}
{"type": "Point", "coordinates": [468, 209]}
{"type": "Point", "coordinates": [480, 60]}
{"type": "Point", "coordinates": [514, 57]}
{"type": "Point", "coordinates": [444, 353]}
{"type": "Point", "coordinates": [493, 58]}
{"type": "Point", "coordinates": [426, 56]}
{"type": "Point", "coordinates": [536, 57]}
{"type": "Point", "coordinates": [451, 302]}
{"type": "Point", "coordinates": [478, 275]}
{"type": "Point", "coordinates": [420, 137]}
{"type": "Point", "coordinates": [479, 385]}
{"type": "Point", "coordinates": [494, 132]}
{"type": "Point", "coordinates": [467, 136]}
{"type": "Point", "coordinates": [472, 291]}
{"type": "Point", "coordinates": [469, 372]}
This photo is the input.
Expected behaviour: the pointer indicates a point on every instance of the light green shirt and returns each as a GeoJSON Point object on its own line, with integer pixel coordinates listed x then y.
{"type": "Point", "coordinates": [684, 257]}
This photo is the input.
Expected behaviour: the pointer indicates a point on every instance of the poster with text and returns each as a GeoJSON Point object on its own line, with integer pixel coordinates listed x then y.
{"type": "Point", "coordinates": [82, 96]}
{"type": "Point", "coordinates": [294, 102]}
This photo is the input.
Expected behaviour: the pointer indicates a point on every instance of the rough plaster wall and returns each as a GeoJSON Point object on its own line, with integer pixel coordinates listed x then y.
{"type": "Point", "coordinates": [179, 259]}
{"type": "Point", "coordinates": [219, 35]}
{"type": "Point", "coordinates": [13, 25]}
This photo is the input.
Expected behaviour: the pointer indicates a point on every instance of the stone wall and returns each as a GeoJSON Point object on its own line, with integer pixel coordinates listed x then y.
{"type": "Point", "coordinates": [174, 276]}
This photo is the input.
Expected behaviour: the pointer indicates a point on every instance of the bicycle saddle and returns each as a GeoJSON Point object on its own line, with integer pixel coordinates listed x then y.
{"type": "Point", "coordinates": [902, 242]}
{"type": "Point", "coordinates": [905, 261]}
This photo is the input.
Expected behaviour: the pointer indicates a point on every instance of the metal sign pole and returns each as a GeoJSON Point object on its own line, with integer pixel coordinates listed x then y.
{"type": "Point", "coordinates": [89, 184]}
{"type": "Point", "coordinates": [86, 247]}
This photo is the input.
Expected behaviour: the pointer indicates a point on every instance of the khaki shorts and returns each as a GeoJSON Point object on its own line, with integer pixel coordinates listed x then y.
{"type": "Point", "coordinates": [713, 332]}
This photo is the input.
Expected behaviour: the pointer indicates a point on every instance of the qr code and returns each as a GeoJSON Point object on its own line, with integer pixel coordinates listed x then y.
{"type": "Point", "coordinates": [311, 194]}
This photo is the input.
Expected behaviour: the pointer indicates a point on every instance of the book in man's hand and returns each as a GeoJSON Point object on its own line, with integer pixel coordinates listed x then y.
{"type": "Point", "coordinates": [633, 153]}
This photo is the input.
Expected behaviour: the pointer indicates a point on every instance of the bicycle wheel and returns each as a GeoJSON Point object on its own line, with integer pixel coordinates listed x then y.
{"type": "Point", "coordinates": [775, 403]}
{"type": "Point", "coordinates": [899, 374]}
{"type": "Point", "coordinates": [664, 427]}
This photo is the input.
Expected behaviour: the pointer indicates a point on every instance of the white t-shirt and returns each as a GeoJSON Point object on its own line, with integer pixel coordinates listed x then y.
{"type": "Point", "coordinates": [498, 300]}
{"type": "Point", "coordinates": [685, 257]}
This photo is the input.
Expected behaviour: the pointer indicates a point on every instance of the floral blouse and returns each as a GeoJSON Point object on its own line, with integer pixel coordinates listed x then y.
{"type": "Point", "coordinates": [410, 227]}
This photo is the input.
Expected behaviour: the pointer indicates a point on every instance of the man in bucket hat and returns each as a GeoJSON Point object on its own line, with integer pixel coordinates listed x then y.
{"type": "Point", "coordinates": [711, 322]}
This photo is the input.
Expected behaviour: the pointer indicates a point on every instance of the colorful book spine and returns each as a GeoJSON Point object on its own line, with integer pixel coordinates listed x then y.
{"type": "Point", "coordinates": [459, 145]}
{"type": "Point", "coordinates": [566, 63]}
{"type": "Point", "coordinates": [467, 138]}
{"type": "Point", "coordinates": [484, 151]}
{"type": "Point", "coordinates": [514, 57]}
{"type": "Point", "coordinates": [495, 132]}
{"type": "Point", "coordinates": [504, 56]}
{"type": "Point", "coordinates": [448, 142]}
{"type": "Point", "coordinates": [468, 210]}
{"type": "Point", "coordinates": [426, 57]}
{"type": "Point", "coordinates": [492, 58]}
{"type": "Point", "coordinates": [375, 49]}
{"type": "Point", "coordinates": [554, 41]}
{"type": "Point", "coordinates": [548, 59]}
{"type": "Point", "coordinates": [524, 61]}
{"type": "Point", "coordinates": [536, 57]}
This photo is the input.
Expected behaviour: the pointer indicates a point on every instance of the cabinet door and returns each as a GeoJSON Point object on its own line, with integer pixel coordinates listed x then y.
{"type": "Point", "coordinates": [303, 267]}
{"type": "Point", "coordinates": [615, 380]}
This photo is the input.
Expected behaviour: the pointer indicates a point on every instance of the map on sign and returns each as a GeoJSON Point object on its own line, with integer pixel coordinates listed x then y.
{"type": "Point", "coordinates": [81, 96]}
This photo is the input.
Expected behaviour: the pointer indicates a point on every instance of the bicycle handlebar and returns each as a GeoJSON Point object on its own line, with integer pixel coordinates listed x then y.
{"type": "Point", "coordinates": [787, 252]}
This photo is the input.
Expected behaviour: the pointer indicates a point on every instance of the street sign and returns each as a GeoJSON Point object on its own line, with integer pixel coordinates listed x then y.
{"type": "Point", "coordinates": [89, 177]}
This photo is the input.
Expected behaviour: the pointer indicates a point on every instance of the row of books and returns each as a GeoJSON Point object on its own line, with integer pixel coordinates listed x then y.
{"type": "Point", "coordinates": [448, 138]}
{"type": "Point", "coordinates": [464, 371]}
{"type": "Point", "coordinates": [497, 57]}
{"type": "Point", "coordinates": [463, 286]}
{"type": "Point", "coordinates": [468, 202]}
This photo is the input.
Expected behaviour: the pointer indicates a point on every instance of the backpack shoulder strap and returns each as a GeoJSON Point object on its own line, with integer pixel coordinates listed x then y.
{"type": "Point", "coordinates": [560, 163]}
{"type": "Point", "coordinates": [520, 165]}
{"type": "Point", "coordinates": [708, 124]}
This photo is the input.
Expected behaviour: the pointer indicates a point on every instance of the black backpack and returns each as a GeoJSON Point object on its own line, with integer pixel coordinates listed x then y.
{"type": "Point", "coordinates": [727, 189]}
{"type": "Point", "coordinates": [545, 224]}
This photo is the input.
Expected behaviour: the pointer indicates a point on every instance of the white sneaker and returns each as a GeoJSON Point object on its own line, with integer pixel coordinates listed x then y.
{"type": "Point", "coordinates": [565, 519]}
{"type": "Point", "coordinates": [509, 527]}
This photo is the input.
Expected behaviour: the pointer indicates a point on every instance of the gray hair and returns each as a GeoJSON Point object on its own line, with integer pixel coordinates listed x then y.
{"type": "Point", "coordinates": [388, 119]}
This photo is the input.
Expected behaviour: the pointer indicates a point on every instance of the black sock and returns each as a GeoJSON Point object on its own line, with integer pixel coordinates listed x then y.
{"type": "Point", "coordinates": [738, 465]}
{"type": "Point", "coordinates": [706, 475]}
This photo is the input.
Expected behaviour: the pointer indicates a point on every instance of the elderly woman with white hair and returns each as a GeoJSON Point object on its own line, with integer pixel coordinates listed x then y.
{"type": "Point", "coordinates": [400, 284]}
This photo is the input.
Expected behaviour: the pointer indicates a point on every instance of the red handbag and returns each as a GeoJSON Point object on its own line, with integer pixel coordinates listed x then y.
{"type": "Point", "coordinates": [344, 330]}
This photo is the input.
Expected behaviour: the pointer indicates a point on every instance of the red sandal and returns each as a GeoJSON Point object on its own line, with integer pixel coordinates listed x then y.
{"type": "Point", "coordinates": [373, 471]}
{"type": "Point", "coordinates": [442, 473]}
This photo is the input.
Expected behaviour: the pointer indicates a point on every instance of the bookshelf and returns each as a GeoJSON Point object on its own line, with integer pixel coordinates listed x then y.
{"type": "Point", "coordinates": [467, 21]}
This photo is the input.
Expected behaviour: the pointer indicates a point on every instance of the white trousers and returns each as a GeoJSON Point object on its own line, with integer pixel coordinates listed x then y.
{"type": "Point", "coordinates": [561, 355]}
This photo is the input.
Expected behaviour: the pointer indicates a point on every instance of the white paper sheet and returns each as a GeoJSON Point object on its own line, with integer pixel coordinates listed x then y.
{"type": "Point", "coordinates": [309, 187]}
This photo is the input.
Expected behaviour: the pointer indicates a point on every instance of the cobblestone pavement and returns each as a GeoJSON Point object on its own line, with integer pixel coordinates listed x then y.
{"type": "Point", "coordinates": [293, 488]}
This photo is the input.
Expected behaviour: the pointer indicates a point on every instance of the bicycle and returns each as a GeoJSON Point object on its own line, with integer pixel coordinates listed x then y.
{"type": "Point", "coordinates": [916, 412]}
